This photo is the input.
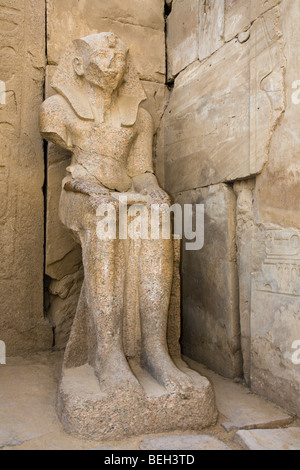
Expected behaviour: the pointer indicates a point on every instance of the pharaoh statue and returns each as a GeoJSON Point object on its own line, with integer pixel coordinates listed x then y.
{"type": "Point", "coordinates": [96, 114]}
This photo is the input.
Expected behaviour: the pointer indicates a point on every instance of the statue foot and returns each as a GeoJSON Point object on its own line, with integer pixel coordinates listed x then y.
{"type": "Point", "coordinates": [113, 372]}
{"type": "Point", "coordinates": [161, 367]}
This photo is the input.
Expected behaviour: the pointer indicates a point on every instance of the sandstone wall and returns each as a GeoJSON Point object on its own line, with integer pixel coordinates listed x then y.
{"type": "Point", "coordinates": [141, 25]}
{"type": "Point", "coordinates": [231, 141]}
{"type": "Point", "coordinates": [22, 69]}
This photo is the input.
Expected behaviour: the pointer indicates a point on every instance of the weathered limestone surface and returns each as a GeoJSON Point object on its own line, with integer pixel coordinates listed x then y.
{"type": "Point", "coordinates": [275, 326]}
{"type": "Point", "coordinates": [211, 27]}
{"type": "Point", "coordinates": [269, 439]}
{"type": "Point", "coordinates": [278, 189]}
{"type": "Point", "coordinates": [233, 116]}
{"type": "Point", "coordinates": [206, 123]}
{"type": "Point", "coordinates": [182, 35]}
{"type": "Point", "coordinates": [191, 442]}
{"type": "Point", "coordinates": [195, 29]}
{"type": "Point", "coordinates": [22, 66]}
{"type": "Point", "coordinates": [275, 302]}
{"type": "Point", "coordinates": [241, 408]}
{"type": "Point", "coordinates": [207, 135]}
{"type": "Point", "coordinates": [240, 14]}
{"type": "Point", "coordinates": [210, 285]}
{"type": "Point", "coordinates": [140, 25]}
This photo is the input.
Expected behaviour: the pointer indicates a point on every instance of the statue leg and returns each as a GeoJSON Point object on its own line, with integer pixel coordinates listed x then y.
{"type": "Point", "coordinates": [104, 269]}
{"type": "Point", "coordinates": [156, 273]}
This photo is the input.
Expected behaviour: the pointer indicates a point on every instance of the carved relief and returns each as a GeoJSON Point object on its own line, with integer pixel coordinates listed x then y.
{"type": "Point", "coordinates": [281, 268]}
{"type": "Point", "coordinates": [12, 15]}
{"type": "Point", "coordinates": [267, 100]}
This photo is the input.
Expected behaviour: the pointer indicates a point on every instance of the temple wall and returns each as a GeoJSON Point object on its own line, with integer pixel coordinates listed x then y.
{"type": "Point", "coordinates": [231, 132]}
{"type": "Point", "coordinates": [23, 327]}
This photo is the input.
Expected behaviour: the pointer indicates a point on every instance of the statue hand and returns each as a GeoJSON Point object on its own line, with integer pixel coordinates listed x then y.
{"type": "Point", "coordinates": [159, 196]}
{"type": "Point", "coordinates": [83, 187]}
{"type": "Point", "coordinates": [97, 200]}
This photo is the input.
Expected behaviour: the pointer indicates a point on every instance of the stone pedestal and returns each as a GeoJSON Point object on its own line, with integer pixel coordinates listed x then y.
{"type": "Point", "coordinates": [86, 411]}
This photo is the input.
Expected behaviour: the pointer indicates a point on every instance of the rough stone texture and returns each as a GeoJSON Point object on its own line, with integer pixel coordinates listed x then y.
{"type": "Point", "coordinates": [210, 285]}
{"type": "Point", "coordinates": [88, 412]}
{"type": "Point", "coordinates": [182, 35]}
{"type": "Point", "coordinates": [141, 26]}
{"type": "Point", "coordinates": [241, 408]}
{"type": "Point", "coordinates": [192, 442]}
{"type": "Point", "coordinates": [207, 135]}
{"type": "Point", "coordinates": [269, 439]}
{"type": "Point", "coordinates": [22, 58]}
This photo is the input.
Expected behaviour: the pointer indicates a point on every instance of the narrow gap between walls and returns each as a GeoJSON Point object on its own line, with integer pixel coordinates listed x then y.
{"type": "Point", "coordinates": [46, 279]}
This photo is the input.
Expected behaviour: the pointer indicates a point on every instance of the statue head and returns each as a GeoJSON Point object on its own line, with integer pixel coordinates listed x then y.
{"type": "Point", "coordinates": [101, 59]}
{"type": "Point", "coordinates": [104, 61]}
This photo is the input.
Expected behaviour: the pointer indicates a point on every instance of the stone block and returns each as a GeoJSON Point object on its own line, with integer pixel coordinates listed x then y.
{"type": "Point", "coordinates": [213, 131]}
{"type": "Point", "coordinates": [211, 332]}
{"type": "Point", "coordinates": [211, 27]}
{"type": "Point", "coordinates": [182, 35]}
{"type": "Point", "coordinates": [269, 439]}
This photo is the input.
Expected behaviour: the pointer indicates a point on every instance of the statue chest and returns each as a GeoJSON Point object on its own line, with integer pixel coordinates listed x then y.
{"type": "Point", "coordinates": [103, 140]}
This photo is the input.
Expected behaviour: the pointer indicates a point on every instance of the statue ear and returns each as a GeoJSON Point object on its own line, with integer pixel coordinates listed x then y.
{"type": "Point", "coordinates": [78, 66]}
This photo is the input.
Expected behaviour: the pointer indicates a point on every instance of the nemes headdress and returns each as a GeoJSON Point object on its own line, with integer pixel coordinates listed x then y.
{"type": "Point", "coordinates": [67, 83]}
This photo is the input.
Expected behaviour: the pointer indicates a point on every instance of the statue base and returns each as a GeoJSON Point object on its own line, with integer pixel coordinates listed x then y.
{"type": "Point", "coordinates": [86, 411]}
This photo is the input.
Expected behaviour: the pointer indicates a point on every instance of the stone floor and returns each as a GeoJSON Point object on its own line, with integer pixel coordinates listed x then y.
{"type": "Point", "coordinates": [28, 419]}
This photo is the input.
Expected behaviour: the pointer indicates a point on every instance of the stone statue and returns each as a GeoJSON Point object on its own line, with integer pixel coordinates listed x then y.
{"type": "Point", "coordinates": [96, 114]}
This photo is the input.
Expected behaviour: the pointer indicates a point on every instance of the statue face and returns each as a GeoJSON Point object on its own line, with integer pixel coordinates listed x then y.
{"type": "Point", "coordinates": [106, 68]}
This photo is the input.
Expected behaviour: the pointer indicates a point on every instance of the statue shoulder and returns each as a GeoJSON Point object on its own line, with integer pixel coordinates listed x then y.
{"type": "Point", "coordinates": [55, 105]}
{"type": "Point", "coordinates": [54, 115]}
